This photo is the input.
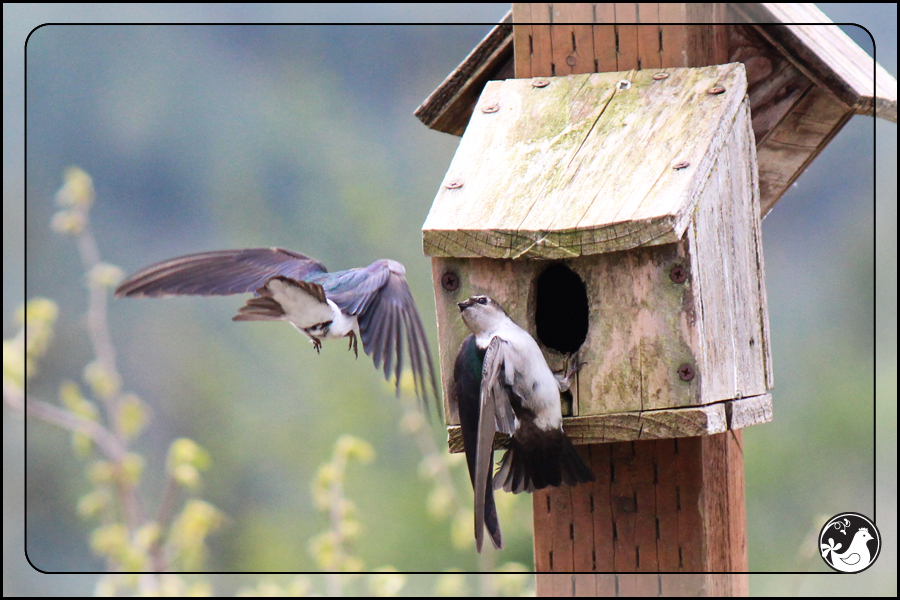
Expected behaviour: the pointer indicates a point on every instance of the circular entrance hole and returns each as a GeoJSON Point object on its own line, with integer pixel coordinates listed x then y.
{"type": "Point", "coordinates": [561, 311]}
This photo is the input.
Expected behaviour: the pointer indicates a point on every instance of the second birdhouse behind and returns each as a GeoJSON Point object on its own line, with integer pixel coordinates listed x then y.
{"type": "Point", "coordinates": [615, 215]}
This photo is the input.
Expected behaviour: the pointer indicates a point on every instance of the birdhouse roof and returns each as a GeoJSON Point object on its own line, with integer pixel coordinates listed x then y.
{"type": "Point", "coordinates": [583, 164]}
{"type": "Point", "coordinates": [804, 83]}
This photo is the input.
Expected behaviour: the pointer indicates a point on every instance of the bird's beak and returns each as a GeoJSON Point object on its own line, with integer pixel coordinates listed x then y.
{"type": "Point", "coordinates": [464, 304]}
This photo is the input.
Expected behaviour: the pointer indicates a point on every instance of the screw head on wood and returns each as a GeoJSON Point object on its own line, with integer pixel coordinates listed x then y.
{"type": "Point", "coordinates": [571, 60]}
{"type": "Point", "coordinates": [660, 76]}
{"type": "Point", "coordinates": [450, 281]}
{"type": "Point", "coordinates": [681, 165]}
{"type": "Point", "coordinates": [686, 372]}
{"type": "Point", "coordinates": [715, 90]}
{"type": "Point", "coordinates": [623, 84]}
{"type": "Point", "coordinates": [539, 83]}
{"type": "Point", "coordinates": [490, 108]}
{"type": "Point", "coordinates": [455, 184]}
{"type": "Point", "coordinates": [678, 274]}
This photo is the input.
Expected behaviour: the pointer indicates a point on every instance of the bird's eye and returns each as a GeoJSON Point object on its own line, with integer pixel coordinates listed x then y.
{"type": "Point", "coordinates": [482, 300]}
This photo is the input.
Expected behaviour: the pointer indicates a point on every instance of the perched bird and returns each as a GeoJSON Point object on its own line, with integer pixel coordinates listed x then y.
{"type": "Point", "coordinates": [372, 302]}
{"type": "Point", "coordinates": [500, 370]}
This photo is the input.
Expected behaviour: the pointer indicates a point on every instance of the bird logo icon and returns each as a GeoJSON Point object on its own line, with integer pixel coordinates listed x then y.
{"type": "Point", "coordinates": [863, 547]}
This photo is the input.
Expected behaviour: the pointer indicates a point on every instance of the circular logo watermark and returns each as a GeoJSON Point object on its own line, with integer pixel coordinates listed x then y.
{"type": "Point", "coordinates": [849, 542]}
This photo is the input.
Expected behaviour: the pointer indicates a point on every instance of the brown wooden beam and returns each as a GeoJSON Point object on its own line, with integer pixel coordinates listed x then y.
{"type": "Point", "coordinates": [670, 506]}
{"type": "Point", "coordinates": [674, 505]}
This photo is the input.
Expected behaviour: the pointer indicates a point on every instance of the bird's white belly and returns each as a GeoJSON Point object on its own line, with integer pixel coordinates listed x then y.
{"type": "Point", "coordinates": [327, 326]}
{"type": "Point", "coordinates": [341, 324]}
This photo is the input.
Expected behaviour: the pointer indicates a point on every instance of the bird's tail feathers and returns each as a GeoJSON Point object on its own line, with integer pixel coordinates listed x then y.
{"type": "Point", "coordinates": [553, 461]}
{"type": "Point", "coordinates": [491, 523]}
{"type": "Point", "coordinates": [261, 308]}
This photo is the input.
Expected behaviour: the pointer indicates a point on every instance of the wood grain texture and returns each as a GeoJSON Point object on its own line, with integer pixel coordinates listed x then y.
{"type": "Point", "coordinates": [659, 505]}
{"type": "Point", "coordinates": [796, 141]}
{"type": "Point", "coordinates": [643, 326]}
{"type": "Point", "coordinates": [784, 64]}
{"type": "Point", "coordinates": [666, 585]}
{"type": "Point", "coordinates": [583, 165]}
{"type": "Point", "coordinates": [450, 105]}
{"type": "Point", "coordinates": [827, 55]}
{"type": "Point", "coordinates": [650, 425]}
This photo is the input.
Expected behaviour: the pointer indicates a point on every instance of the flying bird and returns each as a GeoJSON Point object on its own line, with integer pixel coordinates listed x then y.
{"type": "Point", "coordinates": [502, 383]}
{"type": "Point", "coordinates": [373, 303]}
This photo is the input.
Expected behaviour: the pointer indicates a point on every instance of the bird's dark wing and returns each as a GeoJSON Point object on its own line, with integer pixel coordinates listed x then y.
{"type": "Point", "coordinates": [496, 415]}
{"type": "Point", "coordinates": [218, 273]}
{"type": "Point", "coordinates": [466, 392]}
{"type": "Point", "coordinates": [380, 298]}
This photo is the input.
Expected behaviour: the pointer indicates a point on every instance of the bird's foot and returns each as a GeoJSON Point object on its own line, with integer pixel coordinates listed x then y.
{"type": "Point", "coordinates": [571, 366]}
{"type": "Point", "coordinates": [317, 344]}
{"type": "Point", "coordinates": [353, 346]}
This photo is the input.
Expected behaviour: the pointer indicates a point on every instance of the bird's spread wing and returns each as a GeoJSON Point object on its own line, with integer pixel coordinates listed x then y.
{"type": "Point", "coordinates": [218, 273]}
{"type": "Point", "coordinates": [281, 298]}
{"type": "Point", "coordinates": [496, 415]}
{"type": "Point", "coordinates": [380, 298]}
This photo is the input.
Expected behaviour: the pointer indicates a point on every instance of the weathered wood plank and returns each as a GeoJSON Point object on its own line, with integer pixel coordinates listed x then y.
{"type": "Point", "coordinates": [748, 411]}
{"type": "Point", "coordinates": [796, 141]}
{"type": "Point", "coordinates": [692, 487]}
{"type": "Point", "coordinates": [450, 105]}
{"type": "Point", "coordinates": [626, 34]}
{"type": "Point", "coordinates": [784, 65]}
{"type": "Point", "coordinates": [605, 50]}
{"type": "Point", "coordinates": [648, 36]}
{"type": "Point", "coordinates": [541, 46]}
{"type": "Point", "coordinates": [522, 39]}
{"type": "Point", "coordinates": [582, 534]}
{"type": "Point", "coordinates": [655, 424]}
{"type": "Point", "coordinates": [774, 84]}
{"type": "Point", "coordinates": [530, 185]}
{"type": "Point", "coordinates": [643, 326]}
{"type": "Point", "coordinates": [827, 56]}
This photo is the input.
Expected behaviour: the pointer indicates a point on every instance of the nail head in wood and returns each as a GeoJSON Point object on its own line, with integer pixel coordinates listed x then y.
{"type": "Point", "coordinates": [686, 372]}
{"type": "Point", "coordinates": [539, 83]}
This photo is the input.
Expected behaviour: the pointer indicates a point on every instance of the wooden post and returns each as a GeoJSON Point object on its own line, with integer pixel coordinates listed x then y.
{"type": "Point", "coordinates": [658, 506]}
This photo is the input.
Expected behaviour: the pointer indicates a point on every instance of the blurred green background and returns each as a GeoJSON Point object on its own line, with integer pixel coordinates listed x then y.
{"type": "Point", "coordinates": [209, 137]}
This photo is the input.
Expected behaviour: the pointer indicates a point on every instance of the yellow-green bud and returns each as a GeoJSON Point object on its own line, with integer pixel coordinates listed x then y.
{"type": "Point", "coordinates": [68, 222]}
{"type": "Point", "coordinates": [77, 189]}
{"type": "Point", "coordinates": [92, 503]}
{"type": "Point", "coordinates": [354, 447]}
{"type": "Point", "coordinates": [132, 415]}
{"type": "Point", "coordinates": [104, 383]}
{"type": "Point", "coordinates": [132, 466]}
{"type": "Point", "coordinates": [105, 275]}
{"type": "Point", "coordinates": [110, 540]}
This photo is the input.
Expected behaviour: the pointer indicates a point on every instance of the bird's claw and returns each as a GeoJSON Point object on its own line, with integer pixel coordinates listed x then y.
{"type": "Point", "coordinates": [571, 366]}
{"type": "Point", "coordinates": [317, 344]}
{"type": "Point", "coordinates": [353, 344]}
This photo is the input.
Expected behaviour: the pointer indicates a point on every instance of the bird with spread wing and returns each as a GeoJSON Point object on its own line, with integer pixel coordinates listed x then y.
{"type": "Point", "coordinates": [373, 303]}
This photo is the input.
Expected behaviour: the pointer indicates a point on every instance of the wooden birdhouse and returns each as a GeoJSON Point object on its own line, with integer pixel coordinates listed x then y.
{"type": "Point", "coordinates": [614, 167]}
{"type": "Point", "coordinates": [616, 215]}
